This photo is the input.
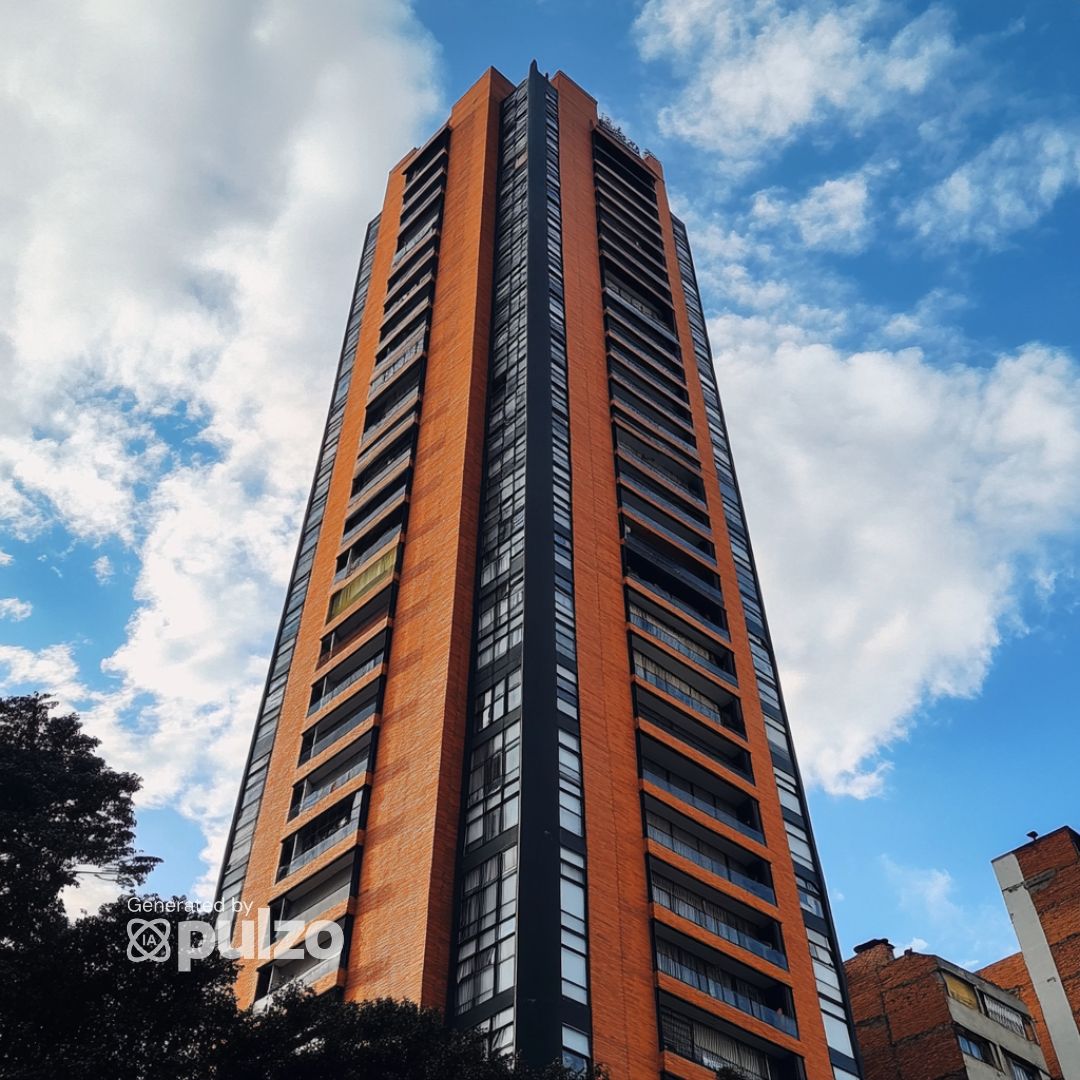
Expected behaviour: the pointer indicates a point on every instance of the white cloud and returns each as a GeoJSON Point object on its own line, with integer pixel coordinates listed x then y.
{"type": "Point", "coordinates": [895, 506]}
{"type": "Point", "coordinates": [189, 192]}
{"type": "Point", "coordinates": [756, 74]}
{"type": "Point", "coordinates": [6, 559]}
{"type": "Point", "coordinates": [52, 670]}
{"type": "Point", "coordinates": [15, 609]}
{"type": "Point", "coordinates": [970, 935]}
{"type": "Point", "coordinates": [88, 895]}
{"type": "Point", "coordinates": [1003, 189]}
{"type": "Point", "coordinates": [834, 216]}
{"type": "Point", "coordinates": [103, 569]}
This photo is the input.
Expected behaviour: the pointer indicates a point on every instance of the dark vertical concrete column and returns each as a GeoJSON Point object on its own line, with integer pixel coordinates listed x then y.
{"type": "Point", "coordinates": [538, 981]}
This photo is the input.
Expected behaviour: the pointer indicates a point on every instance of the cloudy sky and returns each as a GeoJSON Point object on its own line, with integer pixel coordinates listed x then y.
{"type": "Point", "coordinates": [883, 201]}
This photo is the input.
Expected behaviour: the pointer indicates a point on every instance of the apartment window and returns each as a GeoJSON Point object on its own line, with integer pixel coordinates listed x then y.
{"type": "Point", "coordinates": [335, 774]}
{"type": "Point", "coordinates": [977, 1047]}
{"type": "Point", "coordinates": [828, 979]}
{"type": "Point", "coordinates": [1006, 1016]}
{"type": "Point", "coordinates": [799, 842]}
{"type": "Point", "coordinates": [350, 671]}
{"type": "Point", "coordinates": [320, 835]}
{"type": "Point", "coordinates": [575, 978]}
{"type": "Point", "coordinates": [837, 1032]}
{"type": "Point", "coordinates": [961, 990]}
{"type": "Point", "coordinates": [576, 1051]}
{"type": "Point", "coordinates": [490, 894]}
{"type": "Point", "coordinates": [499, 1032]}
{"type": "Point", "coordinates": [502, 697]}
{"type": "Point", "coordinates": [809, 896]}
{"type": "Point", "coordinates": [1021, 1070]}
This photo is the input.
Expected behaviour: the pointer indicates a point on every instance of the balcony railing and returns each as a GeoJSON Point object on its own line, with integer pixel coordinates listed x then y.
{"type": "Point", "coordinates": [681, 604]}
{"type": "Point", "coordinates": [722, 929]}
{"type": "Point", "coordinates": [320, 793]}
{"type": "Point", "coordinates": [689, 448]}
{"type": "Point", "coordinates": [691, 650]}
{"type": "Point", "coordinates": [645, 491]}
{"type": "Point", "coordinates": [707, 806]}
{"type": "Point", "coordinates": [706, 983]}
{"type": "Point", "coordinates": [331, 737]}
{"type": "Point", "coordinates": [637, 543]}
{"type": "Point", "coordinates": [714, 866]}
{"type": "Point", "coordinates": [308, 976]}
{"type": "Point", "coordinates": [648, 514]}
{"type": "Point", "coordinates": [339, 688]}
{"type": "Point", "coordinates": [319, 847]}
{"type": "Point", "coordinates": [668, 687]}
{"type": "Point", "coordinates": [670, 477]}
{"type": "Point", "coordinates": [386, 500]}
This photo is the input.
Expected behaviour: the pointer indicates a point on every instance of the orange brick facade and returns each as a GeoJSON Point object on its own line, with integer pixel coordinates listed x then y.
{"type": "Point", "coordinates": [699, 918]}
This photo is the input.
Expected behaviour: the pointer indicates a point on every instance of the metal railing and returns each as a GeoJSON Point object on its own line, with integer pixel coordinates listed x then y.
{"type": "Point", "coordinates": [681, 604]}
{"type": "Point", "coordinates": [320, 846]}
{"type": "Point", "coordinates": [716, 926]}
{"type": "Point", "coordinates": [691, 702]}
{"type": "Point", "coordinates": [691, 650]}
{"type": "Point", "coordinates": [707, 806]}
{"type": "Point", "coordinates": [704, 982]}
{"type": "Point", "coordinates": [354, 721]}
{"type": "Point", "coordinates": [338, 689]}
{"type": "Point", "coordinates": [714, 866]}
{"type": "Point", "coordinates": [319, 793]}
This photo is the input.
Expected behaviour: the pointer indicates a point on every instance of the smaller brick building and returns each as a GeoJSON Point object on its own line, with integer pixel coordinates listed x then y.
{"type": "Point", "coordinates": [1040, 883]}
{"type": "Point", "coordinates": [918, 1017]}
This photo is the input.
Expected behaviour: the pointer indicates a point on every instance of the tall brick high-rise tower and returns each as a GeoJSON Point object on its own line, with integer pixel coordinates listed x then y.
{"type": "Point", "coordinates": [522, 733]}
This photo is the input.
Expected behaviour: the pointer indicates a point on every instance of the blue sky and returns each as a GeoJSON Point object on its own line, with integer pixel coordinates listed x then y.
{"type": "Point", "coordinates": [883, 199]}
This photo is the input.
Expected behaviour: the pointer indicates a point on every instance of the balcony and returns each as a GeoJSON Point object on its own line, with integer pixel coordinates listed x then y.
{"type": "Point", "coordinates": [732, 811]}
{"type": "Point", "coordinates": [664, 682]}
{"type": "Point", "coordinates": [688, 904]}
{"type": "Point", "coordinates": [645, 385]}
{"type": "Point", "coordinates": [331, 777]}
{"type": "Point", "coordinates": [338, 724]}
{"type": "Point", "coordinates": [366, 547]}
{"type": "Point", "coordinates": [712, 1048]}
{"type": "Point", "coordinates": [319, 836]}
{"type": "Point", "coordinates": [721, 985]}
{"type": "Point", "coordinates": [660, 463]}
{"type": "Point", "coordinates": [368, 481]}
{"type": "Point", "coordinates": [694, 733]}
{"type": "Point", "coordinates": [349, 672]}
{"type": "Point", "coordinates": [715, 661]}
{"type": "Point", "coordinates": [664, 380]}
{"type": "Point", "coordinates": [709, 615]}
{"type": "Point", "coordinates": [704, 854]}
{"type": "Point", "coordinates": [643, 538]}
{"type": "Point", "coordinates": [667, 424]}
{"type": "Point", "coordinates": [316, 895]}
{"type": "Point", "coordinates": [373, 510]}
{"type": "Point", "coordinates": [688, 529]}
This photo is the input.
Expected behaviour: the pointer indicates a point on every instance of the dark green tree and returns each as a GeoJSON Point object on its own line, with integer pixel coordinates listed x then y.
{"type": "Point", "coordinates": [303, 1037]}
{"type": "Point", "coordinates": [61, 807]}
{"type": "Point", "coordinates": [74, 1004]}
{"type": "Point", "coordinates": [77, 1006]}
